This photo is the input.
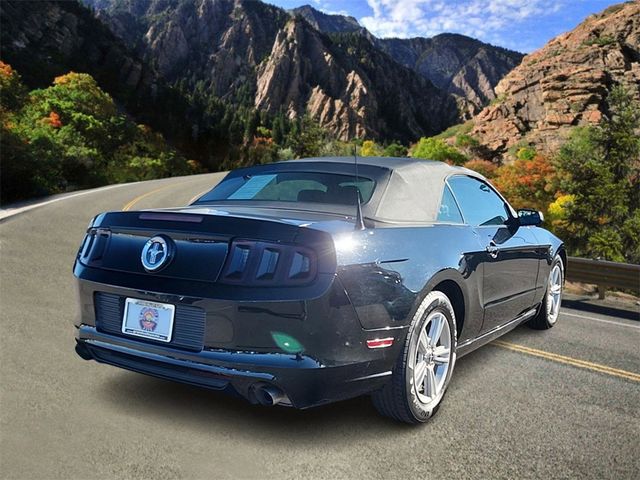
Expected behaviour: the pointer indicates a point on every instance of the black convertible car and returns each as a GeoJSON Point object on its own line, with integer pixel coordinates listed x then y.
{"type": "Point", "coordinates": [305, 282]}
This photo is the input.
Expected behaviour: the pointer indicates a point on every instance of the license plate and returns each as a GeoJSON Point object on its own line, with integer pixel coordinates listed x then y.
{"type": "Point", "coordinates": [148, 319]}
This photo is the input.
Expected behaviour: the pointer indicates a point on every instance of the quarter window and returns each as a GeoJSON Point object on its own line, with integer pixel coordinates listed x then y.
{"type": "Point", "coordinates": [480, 204]}
{"type": "Point", "coordinates": [449, 211]}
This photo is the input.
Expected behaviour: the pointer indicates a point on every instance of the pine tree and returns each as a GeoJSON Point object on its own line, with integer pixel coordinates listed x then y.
{"type": "Point", "coordinates": [251, 125]}
{"type": "Point", "coordinates": [601, 170]}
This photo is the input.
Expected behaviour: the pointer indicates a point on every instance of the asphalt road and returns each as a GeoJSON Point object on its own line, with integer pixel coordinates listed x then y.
{"type": "Point", "coordinates": [564, 403]}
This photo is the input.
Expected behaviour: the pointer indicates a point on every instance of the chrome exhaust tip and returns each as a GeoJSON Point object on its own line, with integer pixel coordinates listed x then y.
{"type": "Point", "coordinates": [270, 395]}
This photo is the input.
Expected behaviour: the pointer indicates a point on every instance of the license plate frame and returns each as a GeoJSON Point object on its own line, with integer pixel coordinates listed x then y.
{"type": "Point", "coordinates": [148, 320]}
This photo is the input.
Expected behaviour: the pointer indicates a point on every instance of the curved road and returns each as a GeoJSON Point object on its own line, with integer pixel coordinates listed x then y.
{"type": "Point", "coordinates": [558, 404]}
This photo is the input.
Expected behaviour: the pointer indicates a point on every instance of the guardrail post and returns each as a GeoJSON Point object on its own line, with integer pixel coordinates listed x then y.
{"type": "Point", "coordinates": [601, 291]}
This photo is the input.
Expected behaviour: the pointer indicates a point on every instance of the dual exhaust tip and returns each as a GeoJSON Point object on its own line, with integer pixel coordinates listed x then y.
{"type": "Point", "coordinates": [261, 393]}
{"type": "Point", "coordinates": [269, 395]}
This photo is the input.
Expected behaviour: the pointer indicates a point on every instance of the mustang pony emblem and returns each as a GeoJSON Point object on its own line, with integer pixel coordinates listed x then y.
{"type": "Point", "coordinates": [155, 250]}
{"type": "Point", "coordinates": [156, 253]}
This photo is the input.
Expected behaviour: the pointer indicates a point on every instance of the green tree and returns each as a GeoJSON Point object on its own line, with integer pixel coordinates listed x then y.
{"type": "Point", "coordinates": [29, 167]}
{"type": "Point", "coordinates": [528, 183]}
{"type": "Point", "coordinates": [600, 168]}
{"type": "Point", "coordinates": [72, 135]}
{"type": "Point", "coordinates": [432, 148]}
{"type": "Point", "coordinates": [251, 125]}
{"type": "Point", "coordinates": [307, 138]}
{"type": "Point", "coordinates": [236, 130]}
{"type": "Point", "coordinates": [12, 91]}
{"type": "Point", "coordinates": [278, 129]}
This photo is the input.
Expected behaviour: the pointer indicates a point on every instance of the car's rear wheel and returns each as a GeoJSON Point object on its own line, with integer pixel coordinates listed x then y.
{"type": "Point", "coordinates": [550, 309]}
{"type": "Point", "coordinates": [423, 370]}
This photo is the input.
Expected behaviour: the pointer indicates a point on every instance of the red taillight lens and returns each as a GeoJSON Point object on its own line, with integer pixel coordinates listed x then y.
{"type": "Point", "coordinates": [254, 263]}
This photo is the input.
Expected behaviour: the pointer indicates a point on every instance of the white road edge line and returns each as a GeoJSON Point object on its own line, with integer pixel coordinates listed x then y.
{"type": "Point", "coordinates": [10, 212]}
{"type": "Point", "coordinates": [601, 320]}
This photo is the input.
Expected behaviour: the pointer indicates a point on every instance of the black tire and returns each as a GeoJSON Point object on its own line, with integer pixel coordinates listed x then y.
{"type": "Point", "coordinates": [399, 399]}
{"type": "Point", "coordinates": [545, 318]}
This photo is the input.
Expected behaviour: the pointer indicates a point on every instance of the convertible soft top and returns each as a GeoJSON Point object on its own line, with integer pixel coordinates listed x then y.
{"type": "Point", "coordinates": [413, 190]}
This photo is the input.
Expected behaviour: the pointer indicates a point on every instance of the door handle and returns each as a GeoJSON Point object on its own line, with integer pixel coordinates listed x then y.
{"type": "Point", "coordinates": [492, 249]}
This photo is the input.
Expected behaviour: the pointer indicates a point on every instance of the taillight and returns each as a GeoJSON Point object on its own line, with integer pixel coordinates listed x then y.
{"type": "Point", "coordinates": [94, 246]}
{"type": "Point", "coordinates": [256, 263]}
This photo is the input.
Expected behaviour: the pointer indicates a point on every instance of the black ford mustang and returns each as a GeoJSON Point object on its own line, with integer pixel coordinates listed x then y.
{"type": "Point", "coordinates": [305, 282]}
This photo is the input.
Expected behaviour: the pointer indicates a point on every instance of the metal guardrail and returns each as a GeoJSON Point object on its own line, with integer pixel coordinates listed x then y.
{"type": "Point", "coordinates": [604, 274]}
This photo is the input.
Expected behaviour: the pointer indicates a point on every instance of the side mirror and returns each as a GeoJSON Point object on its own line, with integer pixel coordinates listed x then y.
{"type": "Point", "coordinates": [527, 216]}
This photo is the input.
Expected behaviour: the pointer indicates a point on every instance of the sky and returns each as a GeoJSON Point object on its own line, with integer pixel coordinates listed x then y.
{"type": "Point", "coordinates": [522, 25]}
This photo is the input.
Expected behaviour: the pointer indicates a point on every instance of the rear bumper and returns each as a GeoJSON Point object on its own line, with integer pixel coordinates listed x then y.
{"type": "Point", "coordinates": [305, 381]}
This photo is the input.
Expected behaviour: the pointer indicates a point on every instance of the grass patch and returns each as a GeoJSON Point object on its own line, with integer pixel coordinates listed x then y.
{"type": "Point", "coordinates": [499, 99]}
{"type": "Point", "coordinates": [600, 41]}
{"type": "Point", "coordinates": [455, 130]}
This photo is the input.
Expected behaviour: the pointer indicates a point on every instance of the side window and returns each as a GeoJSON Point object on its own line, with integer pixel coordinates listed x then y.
{"type": "Point", "coordinates": [480, 204]}
{"type": "Point", "coordinates": [449, 211]}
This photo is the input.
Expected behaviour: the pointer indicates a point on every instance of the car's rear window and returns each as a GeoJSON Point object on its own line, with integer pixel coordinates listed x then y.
{"type": "Point", "coordinates": [313, 187]}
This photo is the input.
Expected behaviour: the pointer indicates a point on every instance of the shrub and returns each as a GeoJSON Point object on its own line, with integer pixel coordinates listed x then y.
{"type": "Point", "coordinates": [528, 183]}
{"type": "Point", "coordinates": [483, 167]}
{"type": "Point", "coordinates": [370, 149]}
{"type": "Point", "coordinates": [526, 153]}
{"type": "Point", "coordinates": [435, 149]}
{"type": "Point", "coordinates": [395, 150]}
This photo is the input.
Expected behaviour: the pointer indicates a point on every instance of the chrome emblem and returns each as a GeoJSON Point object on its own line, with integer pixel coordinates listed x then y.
{"type": "Point", "coordinates": [156, 253]}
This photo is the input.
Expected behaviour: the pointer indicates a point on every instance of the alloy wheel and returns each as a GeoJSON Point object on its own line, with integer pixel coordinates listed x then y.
{"type": "Point", "coordinates": [432, 358]}
{"type": "Point", "coordinates": [554, 293]}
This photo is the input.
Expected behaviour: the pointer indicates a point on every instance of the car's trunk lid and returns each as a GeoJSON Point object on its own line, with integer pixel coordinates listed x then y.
{"type": "Point", "coordinates": [200, 240]}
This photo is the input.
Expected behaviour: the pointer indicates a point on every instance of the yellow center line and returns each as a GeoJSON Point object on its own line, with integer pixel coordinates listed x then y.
{"type": "Point", "coordinates": [144, 195]}
{"type": "Point", "coordinates": [195, 197]}
{"type": "Point", "coordinates": [596, 367]}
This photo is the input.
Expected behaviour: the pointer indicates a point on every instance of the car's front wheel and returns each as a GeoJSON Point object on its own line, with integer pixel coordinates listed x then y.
{"type": "Point", "coordinates": [423, 370]}
{"type": "Point", "coordinates": [550, 309]}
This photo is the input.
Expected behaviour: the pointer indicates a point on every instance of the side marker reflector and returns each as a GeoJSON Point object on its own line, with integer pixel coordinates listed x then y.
{"type": "Point", "coordinates": [380, 342]}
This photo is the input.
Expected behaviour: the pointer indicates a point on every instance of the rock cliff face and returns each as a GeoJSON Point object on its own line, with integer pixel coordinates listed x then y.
{"type": "Point", "coordinates": [459, 65]}
{"type": "Point", "coordinates": [219, 42]}
{"type": "Point", "coordinates": [302, 74]}
{"type": "Point", "coordinates": [255, 54]}
{"type": "Point", "coordinates": [328, 23]}
{"type": "Point", "coordinates": [565, 83]}
{"type": "Point", "coordinates": [45, 39]}
{"type": "Point", "coordinates": [306, 71]}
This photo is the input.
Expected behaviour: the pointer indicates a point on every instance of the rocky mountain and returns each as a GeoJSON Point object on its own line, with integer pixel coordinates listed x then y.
{"type": "Point", "coordinates": [349, 86]}
{"type": "Point", "coordinates": [219, 42]}
{"type": "Point", "coordinates": [328, 23]}
{"type": "Point", "coordinates": [459, 65]}
{"type": "Point", "coordinates": [46, 39]}
{"type": "Point", "coordinates": [208, 63]}
{"type": "Point", "coordinates": [564, 84]}
{"type": "Point", "coordinates": [250, 52]}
